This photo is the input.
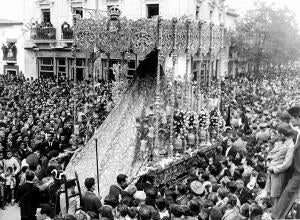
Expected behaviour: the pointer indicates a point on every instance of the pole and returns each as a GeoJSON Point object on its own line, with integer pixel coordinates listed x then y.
{"type": "Point", "coordinates": [173, 93]}
{"type": "Point", "coordinates": [98, 186]}
{"type": "Point", "coordinates": [75, 70]}
{"type": "Point", "coordinates": [157, 92]}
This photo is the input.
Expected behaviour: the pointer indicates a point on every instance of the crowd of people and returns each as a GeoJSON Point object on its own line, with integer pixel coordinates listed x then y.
{"type": "Point", "coordinates": [252, 174]}
{"type": "Point", "coordinates": [42, 124]}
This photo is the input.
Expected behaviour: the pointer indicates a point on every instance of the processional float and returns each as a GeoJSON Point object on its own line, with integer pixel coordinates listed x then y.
{"type": "Point", "coordinates": [114, 35]}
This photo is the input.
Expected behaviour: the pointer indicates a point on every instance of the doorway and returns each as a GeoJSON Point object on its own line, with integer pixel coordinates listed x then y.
{"type": "Point", "coordinates": [11, 72]}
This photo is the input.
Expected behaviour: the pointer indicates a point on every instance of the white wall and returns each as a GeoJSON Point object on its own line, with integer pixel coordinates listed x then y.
{"type": "Point", "coordinates": [13, 32]}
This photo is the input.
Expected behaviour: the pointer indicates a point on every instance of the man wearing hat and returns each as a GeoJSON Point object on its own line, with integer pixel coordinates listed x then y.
{"type": "Point", "coordinates": [197, 189]}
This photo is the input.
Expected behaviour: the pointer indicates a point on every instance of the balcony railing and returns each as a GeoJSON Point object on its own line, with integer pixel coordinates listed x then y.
{"type": "Point", "coordinates": [67, 33]}
{"type": "Point", "coordinates": [43, 33]}
{"type": "Point", "coordinates": [7, 58]}
{"type": "Point", "coordinates": [9, 52]}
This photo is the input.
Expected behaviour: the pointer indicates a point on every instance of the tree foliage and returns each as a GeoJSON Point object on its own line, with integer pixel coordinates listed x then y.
{"type": "Point", "coordinates": [267, 34]}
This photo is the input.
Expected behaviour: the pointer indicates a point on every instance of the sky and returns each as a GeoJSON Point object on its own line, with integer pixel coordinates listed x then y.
{"type": "Point", "coordinates": [242, 5]}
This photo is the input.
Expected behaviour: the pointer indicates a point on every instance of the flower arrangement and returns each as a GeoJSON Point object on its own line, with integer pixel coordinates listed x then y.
{"type": "Point", "coordinates": [190, 121]}
{"type": "Point", "coordinates": [203, 120]}
{"type": "Point", "coordinates": [178, 122]}
{"type": "Point", "coordinates": [215, 118]}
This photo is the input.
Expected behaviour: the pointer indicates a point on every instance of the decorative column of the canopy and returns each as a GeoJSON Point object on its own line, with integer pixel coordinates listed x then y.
{"type": "Point", "coordinates": [222, 48]}
{"type": "Point", "coordinates": [188, 65]}
{"type": "Point", "coordinates": [221, 64]}
{"type": "Point", "coordinates": [74, 52]}
{"type": "Point", "coordinates": [199, 98]}
{"type": "Point", "coordinates": [174, 62]}
{"type": "Point", "coordinates": [187, 74]}
{"type": "Point", "coordinates": [211, 60]}
{"type": "Point", "coordinates": [157, 95]}
{"type": "Point", "coordinates": [211, 57]}
{"type": "Point", "coordinates": [201, 55]}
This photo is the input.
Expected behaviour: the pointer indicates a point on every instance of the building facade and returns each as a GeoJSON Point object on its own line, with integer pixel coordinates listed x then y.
{"type": "Point", "coordinates": [49, 39]}
{"type": "Point", "coordinates": [12, 47]}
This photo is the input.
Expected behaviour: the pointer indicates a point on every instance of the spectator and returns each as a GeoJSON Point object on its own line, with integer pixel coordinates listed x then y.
{"type": "Point", "coordinates": [106, 213]}
{"type": "Point", "coordinates": [132, 214]}
{"type": "Point", "coordinates": [122, 212]}
{"type": "Point", "coordinates": [44, 213]}
{"type": "Point", "coordinates": [182, 198]}
{"type": "Point", "coordinates": [28, 197]}
{"type": "Point", "coordinates": [161, 205]}
{"type": "Point", "coordinates": [117, 190]}
{"type": "Point", "coordinates": [215, 214]}
{"type": "Point", "coordinates": [90, 202]}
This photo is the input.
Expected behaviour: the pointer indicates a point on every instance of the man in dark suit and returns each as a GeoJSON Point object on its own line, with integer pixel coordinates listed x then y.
{"type": "Point", "coordinates": [90, 201]}
{"type": "Point", "coordinates": [243, 193]}
{"type": "Point", "coordinates": [28, 196]}
{"type": "Point", "coordinates": [50, 148]}
{"type": "Point", "coordinates": [117, 190]}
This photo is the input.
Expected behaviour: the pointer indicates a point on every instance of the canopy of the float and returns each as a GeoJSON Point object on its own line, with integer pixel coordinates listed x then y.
{"type": "Point", "coordinates": [116, 35]}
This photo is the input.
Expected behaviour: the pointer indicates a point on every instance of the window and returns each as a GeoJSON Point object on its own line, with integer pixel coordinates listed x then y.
{"type": "Point", "coordinates": [46, 15]}
{"type": "Point", "coordinates": [197, 12]}
{"type": "Point", "coordinates": [46, 61]}
{"type": "Point", "coordinates": [62, 62]}
{"type": "Point", "coordinates": [78, 11]}
{"type": "Point", "coordinates": [46, 68]}
{"type": "Point", "coordinates": [152, 10]}
{"type": "Point", "coordinates": [62, 67]}
{"type": "Point", "coordinates": [131, 69]}
{"type": "Point", "coordinates": [80, 63]}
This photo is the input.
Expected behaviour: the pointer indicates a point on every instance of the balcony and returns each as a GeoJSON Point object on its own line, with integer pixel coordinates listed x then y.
{"type": "Point", "coordinates": [9, 52]}
{"type": "Point", "coordinates": [10, 59]}
{"type": "Point", "coordinates": [43, 32]}
{"type": "Point", "coordinates": [67, 32]}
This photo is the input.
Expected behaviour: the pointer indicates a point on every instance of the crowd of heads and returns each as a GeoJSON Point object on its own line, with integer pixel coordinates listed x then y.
{"type": "Point", "coordinates": [228, 182]}
{"type": "Point", "coordinates": [37, 119]}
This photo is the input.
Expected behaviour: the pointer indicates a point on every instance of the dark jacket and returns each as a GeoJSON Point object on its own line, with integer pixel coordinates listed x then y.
{"type": "Point", "coordinates": [245, 195]}
{"type": "Point", "coordinates": [91, 204]}
{"type": "Point", "coordinates": [115, 191]}
{"type": "Point", "coordinates": [28, 197]}
{"type": "Point", "coordinates": [47, 150]}
{"type": "Point", "coordinates": [154, 212]}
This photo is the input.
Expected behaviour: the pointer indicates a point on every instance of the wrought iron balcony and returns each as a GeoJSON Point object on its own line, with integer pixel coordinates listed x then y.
{"type": "Point", "coordinates": [7, 58]}
{"type": "Point", "coordinates": [66, 31]}
{"type": "Point", "coordinates": [43, 33]}
{"type": "Point", "coordinates": [9, 52]}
